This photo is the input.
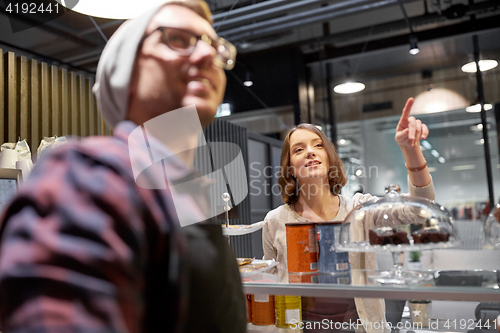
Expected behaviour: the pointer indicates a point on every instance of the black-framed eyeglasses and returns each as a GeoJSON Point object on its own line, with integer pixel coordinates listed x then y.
{"type": "Point", "coordinates": [184, 42]}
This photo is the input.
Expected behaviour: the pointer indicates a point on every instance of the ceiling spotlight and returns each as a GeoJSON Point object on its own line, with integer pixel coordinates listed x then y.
{"type": "Point", "coordinates": [477, 107]}
{"type": "Point", "coordinates": [414, 45]}
{"type": "Point", "coordinates": [344, 142]}
{"type": "Point", "coordinates": [349, 88]}
{"type": "Point", "coordinates": [479, 142]}
{"type": "Point", "coordinates": [484, 65]}
{"type": "Point", "coordinates": [248, 80]}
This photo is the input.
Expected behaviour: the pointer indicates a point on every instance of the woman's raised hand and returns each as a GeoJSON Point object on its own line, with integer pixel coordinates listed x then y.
{"type": "Point", "coordinates": [410, 131]}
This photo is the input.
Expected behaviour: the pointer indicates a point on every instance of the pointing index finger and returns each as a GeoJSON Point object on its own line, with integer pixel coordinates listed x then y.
{"type": "Point", "coordinates": [407, 108]}
{"type": "Point", "coordinates": [403, 121]}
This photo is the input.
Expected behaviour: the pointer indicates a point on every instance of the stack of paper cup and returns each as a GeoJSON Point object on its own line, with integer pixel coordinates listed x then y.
{"type": "Point", "coordinates": [25, 166]}
{"type": "Point", "coordinates": [8, 159]}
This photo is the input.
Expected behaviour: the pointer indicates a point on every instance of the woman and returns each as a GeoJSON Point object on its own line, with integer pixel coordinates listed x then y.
{"type": "Point", "coordinates": [311, 180]}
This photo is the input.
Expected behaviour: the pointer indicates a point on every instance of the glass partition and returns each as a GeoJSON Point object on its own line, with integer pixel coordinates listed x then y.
{"type": "Point", "coordinates": [454, 152]}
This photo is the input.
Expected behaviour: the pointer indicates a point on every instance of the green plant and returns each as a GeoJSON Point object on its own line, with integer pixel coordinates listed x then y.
{"type": "Point", "coordinates": [415, 256]}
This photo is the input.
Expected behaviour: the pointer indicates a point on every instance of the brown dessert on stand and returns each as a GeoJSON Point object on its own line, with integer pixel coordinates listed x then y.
{"type": "Point", "coordinates": [430, 235]}
{"type": "Point", "coordinates": [387, 235]}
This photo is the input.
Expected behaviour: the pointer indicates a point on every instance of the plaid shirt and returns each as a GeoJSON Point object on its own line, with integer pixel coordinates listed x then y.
{"type": "Point", "coordinates": [83, 248]}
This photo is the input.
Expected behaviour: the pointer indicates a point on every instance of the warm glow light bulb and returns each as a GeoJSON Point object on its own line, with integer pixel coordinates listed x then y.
{"type": "Point", "coordinates": [484, 65]}
{"type": "Point", "coordinates": [477, 108]}
{"type": "Point", "coordinates": [349, 88]}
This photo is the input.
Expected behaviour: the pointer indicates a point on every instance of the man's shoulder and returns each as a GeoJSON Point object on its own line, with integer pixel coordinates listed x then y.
{"type": "Point", "coordinates": [102, 148]}
{"type": "Point", "coordinates": [102, 145]}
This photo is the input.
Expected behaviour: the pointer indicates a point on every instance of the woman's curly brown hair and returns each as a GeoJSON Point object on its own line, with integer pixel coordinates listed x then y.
{"type": "Point", "coordinates": [337, 177]}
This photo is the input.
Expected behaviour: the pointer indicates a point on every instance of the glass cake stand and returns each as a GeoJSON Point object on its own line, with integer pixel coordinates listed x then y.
{"type": "Point", "coordinates": [398, 223]}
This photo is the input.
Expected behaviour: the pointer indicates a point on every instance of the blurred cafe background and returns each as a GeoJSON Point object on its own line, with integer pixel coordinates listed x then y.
{"type": "Point", "coordinates": [293, 57]}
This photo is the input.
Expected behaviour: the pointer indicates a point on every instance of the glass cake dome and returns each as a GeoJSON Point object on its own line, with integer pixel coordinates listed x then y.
{"type": "Point", "coordinates": [492, 229]}
{"type": "Point", "coordinates": [398, 223]}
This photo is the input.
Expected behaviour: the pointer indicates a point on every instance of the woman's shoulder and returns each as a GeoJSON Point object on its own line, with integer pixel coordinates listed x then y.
{"type": "Point", "coordinates": [278, 213]}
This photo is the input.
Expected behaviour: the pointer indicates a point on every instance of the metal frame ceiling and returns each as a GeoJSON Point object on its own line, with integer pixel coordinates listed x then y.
{"type": "Point", "coordinates": [320, 28]}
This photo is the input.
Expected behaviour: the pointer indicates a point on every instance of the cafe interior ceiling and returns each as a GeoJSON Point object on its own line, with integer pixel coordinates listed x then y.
{"type": "Point", "coordinates": [368, 38]}
{"type": "Point", "coordinates": [323, 30]}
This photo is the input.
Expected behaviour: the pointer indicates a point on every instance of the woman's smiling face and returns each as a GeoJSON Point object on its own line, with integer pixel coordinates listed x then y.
{"type": "Point", "coordinates": [308, 158]}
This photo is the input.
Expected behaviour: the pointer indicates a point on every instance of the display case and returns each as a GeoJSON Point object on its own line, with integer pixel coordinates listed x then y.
{"type": "Point", "coordinates": [455, 296]}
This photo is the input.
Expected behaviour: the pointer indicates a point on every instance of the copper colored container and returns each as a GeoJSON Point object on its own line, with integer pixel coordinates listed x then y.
{"type": "Point", "coordinates": [249, 308]}
{"type": "Point", "coordinates": [302, 247]}
{"type": "Point", "coordinates": [263, 310]}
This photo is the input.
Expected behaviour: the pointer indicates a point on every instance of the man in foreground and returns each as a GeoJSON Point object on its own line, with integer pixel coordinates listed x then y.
{"type": "Point", "coordinates": [83, 247]}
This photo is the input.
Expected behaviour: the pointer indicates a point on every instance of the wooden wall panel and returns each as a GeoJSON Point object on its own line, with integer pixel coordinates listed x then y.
{"type": "Point", "coordinates": [45, 101]}
{"type": "Point", "coordinates": [34, 107]}
{"type": "Point", "coordinates": [3, 131]}
{"type": "Point", "coordinates": [55, 98]}
{"type": "Point", "coordinates": [102, 126]}
{"type": "Point", "coordinates": [24, 89]}
{"type": "Point", "coordinates": [73, 104]}
{"type": "Point", "coordinates": [82, 107]}
{"type": "Point", "coordinates": [65, 121]}
{"type": "Point", "coordinates": [38, 100]}
{"type": "Point", "coordinates": [91, 107]}
{"type": "Point", "coordinates": [12, 97]}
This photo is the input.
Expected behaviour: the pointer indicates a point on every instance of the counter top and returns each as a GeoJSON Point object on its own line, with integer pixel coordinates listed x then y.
{"type": "Point", "coordinates": [474, 285]}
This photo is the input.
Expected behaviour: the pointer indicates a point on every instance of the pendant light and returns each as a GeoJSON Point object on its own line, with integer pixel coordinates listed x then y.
{"type": "Point", "coordinates": [476, 107]}
{"type": "Point", "coordinates": [349, 88]}
{"type": "Point", "coordinates": [248, 80]}
{"type": "Point", "coordinates": [414, 50]}
{"type": "Point", "coordinates": [484, 65]}
{"type": "Point", "coordinates": [414, 45]}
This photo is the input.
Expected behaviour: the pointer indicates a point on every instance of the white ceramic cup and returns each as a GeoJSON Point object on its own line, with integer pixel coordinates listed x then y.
{"type": "Point", "coordinates": [8, 159]}
{"type": "Point", "coordinates": [25, 166]}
